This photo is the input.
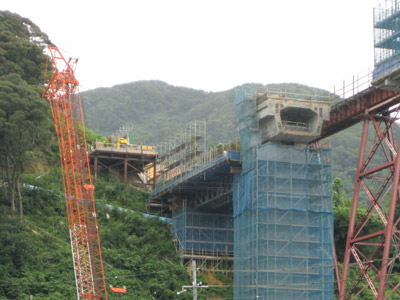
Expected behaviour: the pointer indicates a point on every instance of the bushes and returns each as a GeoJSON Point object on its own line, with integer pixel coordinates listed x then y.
{"type": "Point", "coordinates": [35, 255]}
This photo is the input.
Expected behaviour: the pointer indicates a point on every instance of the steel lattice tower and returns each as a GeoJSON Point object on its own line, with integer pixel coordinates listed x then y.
{"type": "Point", "coordinates": [63, 94]}
{"type": "Point", "coordinates": [376, 251]}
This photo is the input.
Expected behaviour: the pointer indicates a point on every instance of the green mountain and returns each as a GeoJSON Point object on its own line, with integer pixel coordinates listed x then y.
{"type": "Point", "coordinates": [158, 110]}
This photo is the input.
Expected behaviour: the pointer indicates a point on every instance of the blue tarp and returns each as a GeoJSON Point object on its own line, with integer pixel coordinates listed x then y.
{"type": "Point", "coordinates": [283, 219]}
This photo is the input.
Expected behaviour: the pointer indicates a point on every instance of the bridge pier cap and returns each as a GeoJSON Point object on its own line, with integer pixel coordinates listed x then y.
{"type": "Point", "coordinates": [286, 117]}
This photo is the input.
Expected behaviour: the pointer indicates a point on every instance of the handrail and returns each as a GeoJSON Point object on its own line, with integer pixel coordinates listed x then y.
{"type": "Point", "coordinates": [351, 87]}
{"type": "Point", "coordinates": [296, 125]}
{"type": "Point", "coordinates": [285, 95]}
{"type": "Point", "coordinates": [98, 145]}
{"type": "Point", "coordinates": [213, 158]}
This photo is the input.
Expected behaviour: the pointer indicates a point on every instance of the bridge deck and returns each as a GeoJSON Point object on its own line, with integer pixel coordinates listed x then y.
{"type": "Point", "coordinates": [201, 179]}
{"type": "Point", "coordinates": [351, 111]}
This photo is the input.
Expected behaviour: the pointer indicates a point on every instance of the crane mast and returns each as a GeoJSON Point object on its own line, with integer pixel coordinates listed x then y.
{"type": "Point", "coordinates": [62, 91]}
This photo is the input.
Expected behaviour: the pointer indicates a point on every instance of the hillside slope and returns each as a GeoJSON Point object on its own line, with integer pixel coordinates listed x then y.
{"type": "Point", "coordinates": [35, 255]}
{"type": "Point", "coordinates": [158, 110]}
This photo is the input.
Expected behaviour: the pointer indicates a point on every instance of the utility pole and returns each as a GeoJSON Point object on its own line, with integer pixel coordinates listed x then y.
{"type": "Point", "coordinates": [194, 285]}
{"type": "Point", "coordinates": [194, 280]}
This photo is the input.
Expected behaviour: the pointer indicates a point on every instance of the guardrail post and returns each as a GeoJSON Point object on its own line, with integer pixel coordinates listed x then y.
{"type": "Point", "coordinates": [344, 88]}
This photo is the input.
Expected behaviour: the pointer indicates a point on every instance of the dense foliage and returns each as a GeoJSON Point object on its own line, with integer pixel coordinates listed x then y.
{"type": "Point", "coordinates": [138, 252]}
{"type": "Point", "coordinates": [20, 52]}
{"type": "Point", "coordinates": [342, 208]}
{"type": "Point", "coordinates": [24, 116]}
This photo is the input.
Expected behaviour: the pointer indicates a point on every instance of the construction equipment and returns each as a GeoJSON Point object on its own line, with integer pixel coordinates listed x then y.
{"type": "Point", "coordinates": [122, 141]}
{"type": "Point", "coordinates": [62, 91]}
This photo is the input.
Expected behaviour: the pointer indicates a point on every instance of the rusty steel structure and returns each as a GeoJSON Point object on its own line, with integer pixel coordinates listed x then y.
{"type": "Point", "coordinates": [375, 252]}
{"type": "Point", "coordinates": [351, 111]}
{"type": "Point", "coordinates": [62, 91]}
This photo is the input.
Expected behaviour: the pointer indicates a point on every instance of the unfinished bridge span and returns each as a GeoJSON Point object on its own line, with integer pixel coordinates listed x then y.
{"type": "Point", "coordinates": [266, 202]}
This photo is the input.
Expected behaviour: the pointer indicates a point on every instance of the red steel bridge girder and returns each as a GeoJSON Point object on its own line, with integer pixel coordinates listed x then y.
{"type": "Point", "coordinates": [351, 111]}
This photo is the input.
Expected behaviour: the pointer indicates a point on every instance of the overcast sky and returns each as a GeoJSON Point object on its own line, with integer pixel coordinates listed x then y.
{"type": "Point", "coordinates": [213, 45]}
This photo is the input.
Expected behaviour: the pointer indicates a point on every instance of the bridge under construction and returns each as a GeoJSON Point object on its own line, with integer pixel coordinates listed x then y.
{"type": "Point", "coordinates": [266, 203]}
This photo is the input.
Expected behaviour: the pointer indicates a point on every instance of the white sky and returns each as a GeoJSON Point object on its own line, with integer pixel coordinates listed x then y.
{"type": "Point", "coordinates": [212, 45]}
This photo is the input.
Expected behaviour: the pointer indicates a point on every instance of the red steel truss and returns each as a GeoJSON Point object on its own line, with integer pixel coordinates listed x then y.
{"type": "Point", "coordinates": [63, 94]}
{"type": "Point", "coordinates": [374, 249]}
{"type": "Point", "coordinates": [350, 111]}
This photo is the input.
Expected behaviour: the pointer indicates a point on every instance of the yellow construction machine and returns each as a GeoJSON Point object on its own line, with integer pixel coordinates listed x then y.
{"type": "Point", "coordinates": [122, 141]}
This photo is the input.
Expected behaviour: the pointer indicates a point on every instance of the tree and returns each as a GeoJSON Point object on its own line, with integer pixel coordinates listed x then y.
{"type": "Point", "coordinates": [22, 117]}
{"type": "Point", "coordinates": [338, 192]}
{"type": "Point", "coordinates": [22, 112]}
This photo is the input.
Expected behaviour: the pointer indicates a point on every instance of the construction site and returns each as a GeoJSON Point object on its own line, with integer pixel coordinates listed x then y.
{"type": "Point", "coordinates": [265, 201]}
{"type": "Point", "coordinates": [260, 205]}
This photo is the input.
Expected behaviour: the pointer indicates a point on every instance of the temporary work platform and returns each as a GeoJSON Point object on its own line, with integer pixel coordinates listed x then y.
{"type": "Point", "coordinates": [126, 161]}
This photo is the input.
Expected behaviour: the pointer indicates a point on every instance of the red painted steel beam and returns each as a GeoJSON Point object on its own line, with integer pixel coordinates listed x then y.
{"type": "Point", "coordinates": [376, 169]}
{"type": "Point", "coordinates": [389, 229]}
{"type": "Point", "coordinates": [352, 110]}
{"type": "Point", "coordinates": [353, 214]}
{"type": "Point", "coordinates": [374, 268]}
{"type": "Point", "coordinates": [367, 237]}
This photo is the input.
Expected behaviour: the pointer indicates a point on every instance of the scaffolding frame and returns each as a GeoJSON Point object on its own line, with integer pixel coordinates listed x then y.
{"type": "Point", "coordinates": [185, 155]}
{"type": "Point", "coordinates": [181, 153]}
{"type": "Point", "coordinates": [202, 235]}
{"type": "Point", "coordinates": [386, 38]}
{"type": "Point", "coordinates": [283, 216]}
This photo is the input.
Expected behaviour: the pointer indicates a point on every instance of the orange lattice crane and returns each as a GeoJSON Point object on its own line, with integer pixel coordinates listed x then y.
{"type": "Point", "coordinates": [63, 93]}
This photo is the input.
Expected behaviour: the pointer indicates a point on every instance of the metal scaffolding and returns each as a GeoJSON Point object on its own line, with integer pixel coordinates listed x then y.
{"type": "Point", "coordinates": [202, 233]}
{"type": "Point", "coordinates": [181, 153]}
{"type": "Point", "coordinates": [283, 218]}
{"type": "Point", "coordinates": [386, 37]}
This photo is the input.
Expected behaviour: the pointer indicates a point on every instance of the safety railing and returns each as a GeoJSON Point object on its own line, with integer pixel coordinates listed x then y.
{"type": "Point", "coordinates": [123, 147]}
{"type": "Point", "coordinates": [279, 94]}
{"type": "Point", "coordinates": [358, 84]}
{"type": "Point", "coordinates": [296, 126]}
{"type": "Point", "coordinates": [349, 88]}
{"type": "Point", "coordinates": [214, 156]}
{"type": "Point", "coordinates": [385, 10]}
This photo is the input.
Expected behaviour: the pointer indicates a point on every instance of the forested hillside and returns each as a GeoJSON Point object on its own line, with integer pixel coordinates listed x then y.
{"type": "Point", "coordinates": [35, 253]}
{"type": "Point", "coordinates": [158, 110]}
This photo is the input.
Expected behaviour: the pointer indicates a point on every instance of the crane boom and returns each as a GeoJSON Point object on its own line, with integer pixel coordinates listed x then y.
{"type": "Point", "coordinates": [62, 91]}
